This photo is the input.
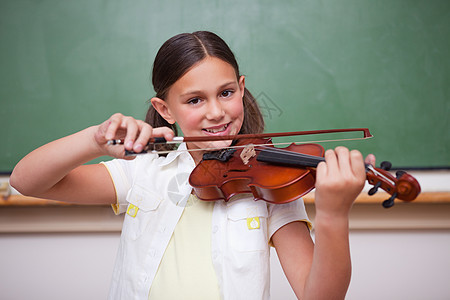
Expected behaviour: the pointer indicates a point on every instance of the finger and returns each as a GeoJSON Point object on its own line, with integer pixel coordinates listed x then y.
{"type": "Point", "coordinates": [165, 132]}
{"type": "Point", "coordinates": [343, 157]}
{"type": "Point", "coordinates": [113, 124]}
{"type": "Point", "coordinates": [331, 161]}
{"type": "Point", "coordinates": [357, 163]}
{"type": "Point", "coordinates": [370, 159]}
{"type": "Point", "coordinates": [145, 133]}
{"type": "Point", "coordinates": [321, 171]}
{"type": "Point", "coordinates": [131, 127]}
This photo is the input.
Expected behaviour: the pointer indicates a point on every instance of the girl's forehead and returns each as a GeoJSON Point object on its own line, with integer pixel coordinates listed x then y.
{"type": "Point", "coordinates": [210, 72]}
{"type": "Point", "coordinates": [211, 64]}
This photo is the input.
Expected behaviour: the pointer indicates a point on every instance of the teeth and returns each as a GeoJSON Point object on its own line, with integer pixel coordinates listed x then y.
{"type": "Point", "coordinates": [217, 130]}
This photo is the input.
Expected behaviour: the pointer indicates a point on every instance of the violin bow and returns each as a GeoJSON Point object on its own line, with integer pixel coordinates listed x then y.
{"type": "Point", "coordinates": [179, 139]}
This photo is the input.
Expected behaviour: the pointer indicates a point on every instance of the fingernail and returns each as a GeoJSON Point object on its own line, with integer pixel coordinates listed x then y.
{"type": "Point", "coordinates": [129, 145]}
{"type": "Point", "coordinates": [138, 148]}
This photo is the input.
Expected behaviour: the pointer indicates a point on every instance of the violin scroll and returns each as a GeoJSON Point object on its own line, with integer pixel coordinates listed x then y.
{"type": "Point", "coordinates": [403, 186]}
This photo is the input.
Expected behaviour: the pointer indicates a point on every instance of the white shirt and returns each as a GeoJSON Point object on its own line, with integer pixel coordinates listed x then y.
{"type": "Point", "coordinates": [153, 191]}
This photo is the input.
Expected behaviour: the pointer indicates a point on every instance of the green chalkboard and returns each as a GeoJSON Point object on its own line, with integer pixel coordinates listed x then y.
{"type": "Point", "coordinates": [385, 65]}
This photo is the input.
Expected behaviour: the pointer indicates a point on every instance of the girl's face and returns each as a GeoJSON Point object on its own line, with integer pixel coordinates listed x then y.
{"type": "Point", "coordinates": [206, 101]}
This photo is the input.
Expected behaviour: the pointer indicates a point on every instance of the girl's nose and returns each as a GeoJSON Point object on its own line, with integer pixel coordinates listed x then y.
{"type": "Point", "coordinates": [215, 110]}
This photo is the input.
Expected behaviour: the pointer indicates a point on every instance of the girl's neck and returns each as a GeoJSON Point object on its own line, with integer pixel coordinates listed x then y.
{"type": "Point", "coordinates": [196, 155]}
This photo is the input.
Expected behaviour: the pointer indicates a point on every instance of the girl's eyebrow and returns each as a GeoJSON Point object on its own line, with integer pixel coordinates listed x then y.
{"type": "Point", "coordinates": [194, 92]}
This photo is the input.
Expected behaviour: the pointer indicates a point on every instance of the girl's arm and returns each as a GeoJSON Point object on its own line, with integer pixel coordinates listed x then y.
{"type": "Point", "coordinates": [323, 271]}
{"type": "Point", "coordinates": [56, 170]}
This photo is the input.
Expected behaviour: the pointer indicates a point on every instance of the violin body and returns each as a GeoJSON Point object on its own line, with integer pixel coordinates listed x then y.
{"type": "Point", "coordinates": [213, 179]}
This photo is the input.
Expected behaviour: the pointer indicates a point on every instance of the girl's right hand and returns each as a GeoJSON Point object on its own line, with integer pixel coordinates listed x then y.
{"type": "Point", "coordinates": [134, 133]}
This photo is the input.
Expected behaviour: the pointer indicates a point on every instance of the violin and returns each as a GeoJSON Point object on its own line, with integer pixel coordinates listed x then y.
{"type": "Point", "coordinates": [281, 175]}
{"type": "Point", "coordinates": [252, 164]}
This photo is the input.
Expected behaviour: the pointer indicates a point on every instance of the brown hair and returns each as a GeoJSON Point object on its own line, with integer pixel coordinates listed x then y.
{"type": "Point", "coordinates": [177, 55]}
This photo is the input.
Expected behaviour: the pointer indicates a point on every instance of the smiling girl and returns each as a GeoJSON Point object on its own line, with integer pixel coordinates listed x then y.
{"type": "Point", "coordinates": [174, 246]}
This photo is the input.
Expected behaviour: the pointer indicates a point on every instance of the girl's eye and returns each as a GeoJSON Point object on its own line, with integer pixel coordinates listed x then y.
{"type": "Point", "coordinates": [194, 101]}
{"type": "Point", "coordinates": [226, 93]}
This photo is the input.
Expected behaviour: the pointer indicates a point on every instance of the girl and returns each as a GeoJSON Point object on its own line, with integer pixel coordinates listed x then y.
{"type": "Point", "coordinates": [172, 245]}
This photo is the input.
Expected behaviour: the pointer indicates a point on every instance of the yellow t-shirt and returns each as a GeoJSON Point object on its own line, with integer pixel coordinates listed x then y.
{"type": "Point", "coordinates": [186, 270]}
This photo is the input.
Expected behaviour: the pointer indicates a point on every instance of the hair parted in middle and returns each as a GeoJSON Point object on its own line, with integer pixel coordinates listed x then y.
{"type": "Point", "coordinates": [178, 55]}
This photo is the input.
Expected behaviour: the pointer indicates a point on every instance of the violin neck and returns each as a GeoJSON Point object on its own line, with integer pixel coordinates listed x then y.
{"type": "Point", "coordinates": [288, 158]}
{"type": "Point", "coordinates": [292, 159]}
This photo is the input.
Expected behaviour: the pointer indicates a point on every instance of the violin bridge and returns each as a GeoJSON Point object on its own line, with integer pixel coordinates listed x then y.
{"type": "Point", "coordinates": [247, 153]}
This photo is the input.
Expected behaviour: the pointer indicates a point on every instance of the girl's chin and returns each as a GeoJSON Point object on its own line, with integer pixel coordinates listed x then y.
{"type": "Point", "coordinates": [221, 144]}
{"type": "Point", "coordinates": [211, 146]}
{"type": "Point", "coordinates": [217, 145]}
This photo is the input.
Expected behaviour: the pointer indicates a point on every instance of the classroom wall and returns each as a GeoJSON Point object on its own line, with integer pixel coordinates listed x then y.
{"type": "Point", "coordinates": [384, 65]}
{"type": "Point", "coordinates": [66, 65]}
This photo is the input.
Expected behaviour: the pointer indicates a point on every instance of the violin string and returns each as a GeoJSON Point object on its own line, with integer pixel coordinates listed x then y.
{"type": "Point", "coordinates": [374, 171]}
{"type": "Point", "coordinates": [255, 145]}
{"type": "Point", "coordinates": [293, 154]}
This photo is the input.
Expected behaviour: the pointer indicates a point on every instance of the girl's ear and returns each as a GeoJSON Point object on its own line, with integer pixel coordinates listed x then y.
{"type": "Point", "coordinates": [161, 107]}
{"type": "Point", "coordinates": [242, 84]}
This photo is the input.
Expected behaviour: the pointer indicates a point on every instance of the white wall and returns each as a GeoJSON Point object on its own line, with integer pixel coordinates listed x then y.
{"type": "Point", "coordinates": [400, 265]}
{"type": "Point", "coordinates": [390, 265]}
{"type": "Point", "coordinates": [386, 265]}
{"type": "Point", "coordinates": [56, 266]}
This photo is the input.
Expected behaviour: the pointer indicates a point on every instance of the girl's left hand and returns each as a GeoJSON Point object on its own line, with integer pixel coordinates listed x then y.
{"type": "Point", "coordinates": [339, 180]}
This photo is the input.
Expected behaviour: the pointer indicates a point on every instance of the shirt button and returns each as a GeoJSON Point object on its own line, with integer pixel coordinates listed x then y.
{"type": "Point", "coordinates": [215, 229]}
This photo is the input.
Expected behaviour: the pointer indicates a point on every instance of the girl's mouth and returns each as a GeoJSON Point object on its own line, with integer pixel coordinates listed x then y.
{"type": "Point", "coordinates": [215, 130]}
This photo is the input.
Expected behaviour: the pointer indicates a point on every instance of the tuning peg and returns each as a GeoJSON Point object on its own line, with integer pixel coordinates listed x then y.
{"type": "Point", "coordinates": [389, 202]}
{"type": "Point", "coordinates": [385, 165]}
{"type": "Point", "coordinates": [399, 174]}
{"type": "Point", "coordinates": [374, 189]}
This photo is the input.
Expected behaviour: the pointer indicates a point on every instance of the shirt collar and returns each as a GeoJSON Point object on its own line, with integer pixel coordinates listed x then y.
{"type": "Point", "coordinates": [181, 151]}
